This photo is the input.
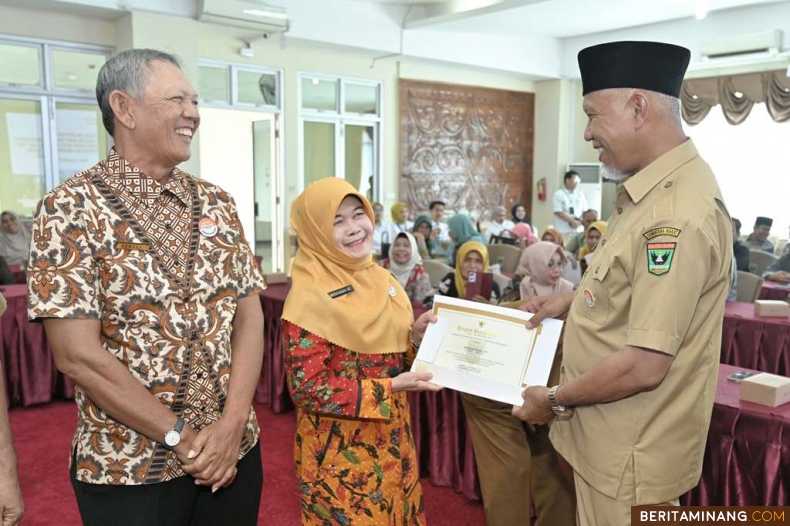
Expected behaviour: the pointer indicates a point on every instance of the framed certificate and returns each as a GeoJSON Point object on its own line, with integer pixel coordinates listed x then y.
{"type": "Point", "coordinates": [485, 350]}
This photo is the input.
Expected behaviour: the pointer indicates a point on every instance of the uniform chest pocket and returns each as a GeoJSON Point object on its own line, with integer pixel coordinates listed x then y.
{"type": "Point", "coordinates": [593, 300]}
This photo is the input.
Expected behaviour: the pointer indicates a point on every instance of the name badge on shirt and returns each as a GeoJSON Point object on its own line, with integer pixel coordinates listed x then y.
{"type": "Point", "coordinates": [341, 292]}
{"type": "Point", "coordinates": [132, 246]}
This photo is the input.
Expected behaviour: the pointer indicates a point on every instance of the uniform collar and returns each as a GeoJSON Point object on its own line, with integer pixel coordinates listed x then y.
{"type": "Point", "coordinates": [640, 184]}
{"type": "Point", "coordinates": [142, 186]}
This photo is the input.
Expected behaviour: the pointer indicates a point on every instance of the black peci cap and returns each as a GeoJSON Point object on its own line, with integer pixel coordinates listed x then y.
{"type": "Point", "coordinates": [653, 66]}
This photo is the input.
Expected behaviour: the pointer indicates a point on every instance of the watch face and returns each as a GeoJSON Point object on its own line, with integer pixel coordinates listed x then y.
{"type": "Point", "coordinates": [172, 438]}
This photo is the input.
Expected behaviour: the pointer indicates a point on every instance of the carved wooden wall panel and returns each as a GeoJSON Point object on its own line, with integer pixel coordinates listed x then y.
{"type": "Point", "coordinates": [469, 147]}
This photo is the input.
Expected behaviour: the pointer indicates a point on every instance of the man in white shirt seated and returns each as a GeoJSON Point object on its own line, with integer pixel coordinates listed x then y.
{"type": "Point", "coordinates": [500, 225]}
{"type": "Point", "coordinates": [436, 209]}
{"type": "Point", "coordinates": [569, 203]}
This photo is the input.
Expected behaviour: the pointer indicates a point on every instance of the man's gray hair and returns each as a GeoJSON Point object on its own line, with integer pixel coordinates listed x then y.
{"type": "Point", "coordinates": [128, 72]}
{"type": "Point", "coordinates": [668, 108]}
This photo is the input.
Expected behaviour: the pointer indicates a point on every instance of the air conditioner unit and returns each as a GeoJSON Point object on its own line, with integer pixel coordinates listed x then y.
{"type": "Point", "coordinates": [590, 183]}
{"type": "Point", "coordinates": [766, 42]}
{"type": "Point", "coordinates": [248, 15]}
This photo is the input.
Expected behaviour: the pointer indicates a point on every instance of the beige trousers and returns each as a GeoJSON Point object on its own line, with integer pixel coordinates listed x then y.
{"type": "Point", "coordinates": [596, 509]}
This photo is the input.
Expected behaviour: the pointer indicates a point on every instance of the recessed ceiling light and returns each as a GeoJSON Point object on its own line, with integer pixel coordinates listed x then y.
{"type": "Point", "coordinates": [701, 15]}
{"type": "Point", "coordinates": [315, 81]}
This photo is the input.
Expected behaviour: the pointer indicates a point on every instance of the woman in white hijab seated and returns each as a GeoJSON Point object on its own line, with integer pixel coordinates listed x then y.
{"type": "Point", "coordinates": [14, 239]}
{"type": "Point", "coordinates": [405, 265]}
{"type": "Point", "coordinates": [500, 225]}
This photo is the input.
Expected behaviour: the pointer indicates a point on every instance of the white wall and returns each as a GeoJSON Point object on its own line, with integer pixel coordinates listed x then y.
{"type": "Point", "coordinates": [56, 26]}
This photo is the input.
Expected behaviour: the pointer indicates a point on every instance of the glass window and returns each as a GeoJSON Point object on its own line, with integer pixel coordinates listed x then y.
{"type": "Point", "coordinates": [257, 88]}
{"type": "Point", "coordinates": [21, 155]}
{"type": "Point", "coordinates": [319, 151]}
{"type": "Point", "coordinates": [360, 157]}
{"type": "Point", "coordinates": [75, 69]}
{"type": "Point", "coordinates": [319, 94]}
{"type": "Point", "coordinates": [20, 65]}
{"type": "Point", "coordinates": [82, 141]}
{"type": "Point", "coordinates": [214, 84]}
{"type": "Point", "coordinates": [361, 99]}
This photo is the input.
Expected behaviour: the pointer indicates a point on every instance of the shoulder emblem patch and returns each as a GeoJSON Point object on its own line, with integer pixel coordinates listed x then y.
{"type": "Point", "coordinates": [659, 257]}
{"type": "Point", "coordinates": [661, 231]}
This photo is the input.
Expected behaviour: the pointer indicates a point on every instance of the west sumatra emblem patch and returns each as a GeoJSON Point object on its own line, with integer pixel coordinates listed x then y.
{"type": "Point", "coordinates": [659, 257]}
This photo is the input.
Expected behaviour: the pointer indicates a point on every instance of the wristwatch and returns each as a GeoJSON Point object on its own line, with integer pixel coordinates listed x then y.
{"type": "Point", "coordinates": [562, 412]}
{"type": "Point", "coordinates": [173, 437]}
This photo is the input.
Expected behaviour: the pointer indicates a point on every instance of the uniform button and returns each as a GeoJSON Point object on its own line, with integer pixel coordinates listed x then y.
{"type": "Point", "coordinates": [562, 368]}
{"type": "Point", "coordinates": [668, 184]}
{"type": "Point", "coordinates": [619, 209]}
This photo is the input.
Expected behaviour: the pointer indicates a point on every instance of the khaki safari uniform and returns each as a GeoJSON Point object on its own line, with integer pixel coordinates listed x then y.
{"type": "Point", "coordinates": [659, 280]}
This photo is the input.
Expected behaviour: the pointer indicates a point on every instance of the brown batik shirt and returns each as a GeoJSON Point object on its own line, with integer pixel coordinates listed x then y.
{"type": "Point", "coordinates": [113, 244]}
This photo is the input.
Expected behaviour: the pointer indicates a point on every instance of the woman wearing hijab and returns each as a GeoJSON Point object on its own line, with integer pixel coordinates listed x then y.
{"type": "Point", "coordinates": [523, 232]}
{"type": "Point", "coordinates": [519, 215]}
{"type": "Point", "coordinates": [500, 226]}
{"type": "Point", "coordinates": [471, 257]}
{"type": "Point", "coordinates": [591, 237]}
{"type": "Point", "coordinates": [462, 230]}
{"type": "Point", "coordinates": [552, 235]}
{"type": "Point", "coordinates": [399, 213]}
{"type": "Point", "coordinates": [405, 265]}
{"type": "Point", "coordinates": [539, 273]}
{"type": "Point", "coordinates": [346, 331]}
{"type": "Point", "coordinates": [14, 239]}
{"type": "Point", "coordinates": [425, 236]}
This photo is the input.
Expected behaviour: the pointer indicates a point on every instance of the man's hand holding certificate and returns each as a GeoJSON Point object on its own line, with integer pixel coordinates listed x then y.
{"type": "Point", "coordinates": [486, 350]}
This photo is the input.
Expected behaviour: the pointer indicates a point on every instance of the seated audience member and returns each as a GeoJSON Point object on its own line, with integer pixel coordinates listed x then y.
{"type": "Point", "coordinates": [577, 242]}
{"type": "Point", "coordinates": [519, 215]}
{"type": "Point", "coordinates": [539, 273]}
{"type": "Point", "coordinates": [405, 265]}
{"type": "Point", "coordinates": [758, 239]}
{"type": "Point", "coordinates": [462, 230]}
{"type": "Point", "coordinates": [552, 235]}
{"type": "Point", "coordinates": [591, 237]}
{"type": "Point", "coordinates": [513, 463]}
{"type": "Point", "coordinates": [472, 256]}
{"type": "Point", "coordinates": [378, 227]}
{"type": "Point", "coordinates": [740, 250]}
{"type": "Point", "coordinates": [436, 210]}
{"type": "Point", "coordinates": [425, 236]}
{"type": "Point", "coordinates": [523, 232]}
{"type": "Point", "coordinates": [500, 226]}
{"type": "Point", "coordinates": [400, 219]}
{"type": "Point", "coordinates": [6, 276]}
{"type": "Point", "coordinates": [786, 248]}
{"type": "Point", "coordinates": [779, 270]}
{"type": "Point", "coordinates": [14, 239]}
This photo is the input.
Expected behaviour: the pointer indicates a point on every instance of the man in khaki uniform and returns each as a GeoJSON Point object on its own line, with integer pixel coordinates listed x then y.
{"type": "Point", "coordinates": [643, 335]}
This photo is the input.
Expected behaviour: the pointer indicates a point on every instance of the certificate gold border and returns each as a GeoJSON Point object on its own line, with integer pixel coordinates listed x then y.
{"type": "Point", "coordinates": [501, 317]}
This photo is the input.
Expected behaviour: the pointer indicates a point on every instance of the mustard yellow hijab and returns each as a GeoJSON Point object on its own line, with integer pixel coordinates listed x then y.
{"type": "Point", "coordinates": [600, 226]}
{"type": "Point", "coordinates": [395, 211]}
{"type": "Point", "coordinates": [466, 248]}
{"type": "Point", "coordinates": [368, 320]}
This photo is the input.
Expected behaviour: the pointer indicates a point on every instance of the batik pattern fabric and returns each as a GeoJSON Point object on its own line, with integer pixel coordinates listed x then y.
{"type": "Point", "coordinates": [354, 451]}
{"type": "Point", "coordinates": [115, 245]}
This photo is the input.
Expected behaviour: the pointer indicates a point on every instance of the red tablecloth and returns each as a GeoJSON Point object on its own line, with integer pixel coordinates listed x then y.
{"type": "Point", "coordinates": [30, 373]}
{"type": "Point", "coordinates": [441, 437]}
{"type": "Point", "coordinates": [774, 291]}
{"type": "Point", "coordinates": [755, 342]}
{"type": "Point", "coordinates": [19, 274]}
{"type": "Point", "coordinates": [747, 458]}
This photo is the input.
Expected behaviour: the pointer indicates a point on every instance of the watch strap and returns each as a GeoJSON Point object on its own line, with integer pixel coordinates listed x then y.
{"type": "Point", "coordinates": [179, 425]}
